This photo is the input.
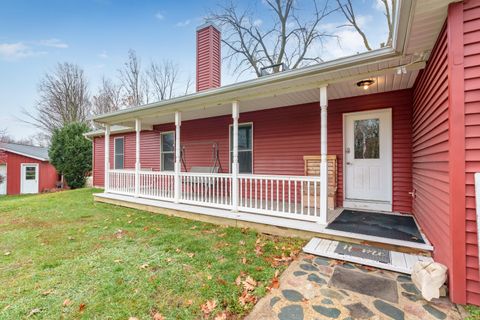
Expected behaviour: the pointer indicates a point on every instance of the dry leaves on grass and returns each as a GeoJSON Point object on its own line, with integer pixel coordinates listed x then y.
{"type": "Point", "coordinates": [82, 307]}
{"type": "Point", "coordinates": [259, 247]}
{"type": "Point", "coordinates": [33, 312]}
{"type": "Point", "coordinates": [208, 307]}
{"type": "Point", "coordinates": [144, 266]}
{"type": "Point", "coordinates": [249, 284]}
{"type": "Point", "coordinates": [275, 284]}
{"type": "Point", "coordinates": [119, 234]}
{"type": "Point", "coordinates": [47, 292]}
{"type": "Point", "coordinates": [66, 302]}
{"type": "Point", "coordinates": [221, 316]}
{"type": "Point", "coordinates": [158, 316]}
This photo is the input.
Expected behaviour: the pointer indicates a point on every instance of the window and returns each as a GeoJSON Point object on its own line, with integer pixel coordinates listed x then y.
{"type": "Point", "coordinates": [245, 142]}
{"type": "Point", "coordinates": [30, 173]}
{"type": "Point", "coordinates": [118, 153]}
{"type": "Point", "coordinates": [168, 151]}
{"type": "Point", "coordinates": [367, 133]}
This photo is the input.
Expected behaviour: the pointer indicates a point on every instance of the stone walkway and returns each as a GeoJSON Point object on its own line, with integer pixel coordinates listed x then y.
{"type": "Point", "coordinates": [321, 288]}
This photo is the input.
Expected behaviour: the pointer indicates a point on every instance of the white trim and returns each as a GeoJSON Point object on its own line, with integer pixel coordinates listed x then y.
{"type": "Point", "coordinates": [265, 219]}
{"type": "Point", "coordinates": [368, 204]}
{"type": "Point", "coordinates": [240, 124]}
{"type": "Point", "coordinates": [6, 178]}
{"type": "Point", "coordinates": [115, 152]}
{"type": "Point", "coordinates": [161, 149]}
{"type": "Point", "coordinates": [22, 175]}
{"type": "Point", "coordinates": [24, 154]}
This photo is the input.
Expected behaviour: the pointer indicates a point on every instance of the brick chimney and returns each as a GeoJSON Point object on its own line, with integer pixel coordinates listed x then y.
{"type": "Point", "coordinates": [208, 57]}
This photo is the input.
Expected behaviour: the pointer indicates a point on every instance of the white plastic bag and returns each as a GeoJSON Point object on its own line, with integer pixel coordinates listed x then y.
{"type": "Point", "coordinates": [429, 277]}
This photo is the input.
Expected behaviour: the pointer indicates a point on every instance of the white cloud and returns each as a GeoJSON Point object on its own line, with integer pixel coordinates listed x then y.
{"type": "Point", "coordinates": [159, 15]}
{"type": "Point", "coordinates": [349, 42]}
{"type": "Point", "coordinates": [103, 55]}
{"type": "Point", "coordinates": [18, 50]}
{"type": "Point", "coordinates": [54, 43]}
{"type": "Point", "coordinates": [257, 22]}
{"type": "Point", "coordinates": [183, 23]}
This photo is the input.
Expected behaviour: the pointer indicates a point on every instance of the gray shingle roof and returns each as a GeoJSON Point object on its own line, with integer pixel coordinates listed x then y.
{"type": "Point", "coordinates": [29, 151]}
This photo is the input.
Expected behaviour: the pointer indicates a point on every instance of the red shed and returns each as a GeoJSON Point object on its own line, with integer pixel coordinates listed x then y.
{"type": "Point", "coordinates": [26, 169]}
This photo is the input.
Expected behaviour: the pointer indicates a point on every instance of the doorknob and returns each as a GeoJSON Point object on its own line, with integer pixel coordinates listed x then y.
{"type": "Point", "coordinates": [349, 163]}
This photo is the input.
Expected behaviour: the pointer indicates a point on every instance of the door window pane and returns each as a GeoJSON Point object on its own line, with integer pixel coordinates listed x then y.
{"type": "Point", "coordinates": [30, 173]}
{"type": "Point", "coordinates": [119, 153]}
{"type": "Point", "coordinates": [168, 151]}
{"type": "Point", "coordinates": [367, 139]}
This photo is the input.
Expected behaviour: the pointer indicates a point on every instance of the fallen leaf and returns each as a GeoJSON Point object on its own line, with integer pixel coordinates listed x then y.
{"type": "Point", "coordinates": [221, 316]}
{"type": "Point", "coordinates": [193, 228]}
{"type": "Point", "coordinates": [242, 242]}
{"type": "Point", "coordinates": [222, 235]}
{"type": "Point", "coordinates": [209, 277]}
{"type": "Point", "coordinates": [34, 312]}
{"type": "Point", "coordinates": [81, 307]}
{"type": "Point", "coordinates": [244, 260]}
{"type": "Point", "coordinates": [189, 302]}
{"type": "Point", "coordinates": [178, 250]}
{"type": "Point", "coordinates": [221, 281]}
{"type": "Point", "coordinates": [47, 292]}
{"type": "Point", "coordinates": [132, 318]}
{"type": "Point", "coordinates": [208, 307]}
{"type": "Point", "coordinates": [169, 259]}
{"type": "Point", "coordinates": [118, 261]}
{"type": "Point", "coordinates": [190, 255]}
{"type": "Point", "coordinates": [258, 250]}
{"type": "Point", "coordinates": [67, 302]}
{"type": "Point", "coordinates": [7, 253]}
{"type": "Point", "coordinates": [158, 316]}
{"type": "Point", "coordinates": [247, 298]}
{"type": "Point", "coordinates": [144, 266]}
{"type": "Point", "coordinates": [249, 284]}
{"type": "Point", "coordinates": [238, 281]}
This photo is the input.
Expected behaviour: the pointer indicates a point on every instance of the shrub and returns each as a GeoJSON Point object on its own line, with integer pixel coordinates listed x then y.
{"type": "Point", "coordinates": [71, 153]}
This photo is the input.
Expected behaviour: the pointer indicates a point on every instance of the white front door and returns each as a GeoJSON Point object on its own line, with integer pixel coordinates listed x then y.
{"type": "Point", "coordinates": [3, 179]}
{"type": "Point", "coordinates": [368, 160]}
{"type": "Point", "coordinates": [30, 178]}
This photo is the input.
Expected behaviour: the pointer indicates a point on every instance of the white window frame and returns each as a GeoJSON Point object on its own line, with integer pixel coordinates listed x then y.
{"type": "Point", "coordinates": [230, 145]}
{"type": "Point", "coordinates": [115, 153]}
{"type": "Point", "coordinates": [162, 152]}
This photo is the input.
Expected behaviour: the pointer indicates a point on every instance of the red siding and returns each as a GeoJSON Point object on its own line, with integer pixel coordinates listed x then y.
{"type": "Point", "coordinates": [281, 137]}
{"type": "Point", "coordinates": [208, 58]}
{"type": "Point", "coordinates": [471, 42]}
{"type": "Point", "coordinates": [47, 174]}
{"type": "Point", "coordinates": [430, 151]}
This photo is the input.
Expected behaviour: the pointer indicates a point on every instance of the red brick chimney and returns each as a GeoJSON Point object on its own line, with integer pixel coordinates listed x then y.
{"type": "Point", "coordinates": [208, 57]}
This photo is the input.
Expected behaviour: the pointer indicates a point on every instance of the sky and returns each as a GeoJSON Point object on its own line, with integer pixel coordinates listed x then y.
{"type": "Point", "coordinates": [97, 34]}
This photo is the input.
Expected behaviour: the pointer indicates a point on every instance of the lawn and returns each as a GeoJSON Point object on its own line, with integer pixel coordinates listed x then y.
{"type": "Point", "coordinates": [64, 256]}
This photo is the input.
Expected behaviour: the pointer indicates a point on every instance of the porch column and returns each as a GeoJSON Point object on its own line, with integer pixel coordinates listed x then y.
{"type": "Point", "coordinates": [177, 185]}
{"type": "Point", "coordinates": [235, 115]}
{"type": "Point", "coordinates": [323, 160]}
{"type": "Point", "coordinates": [107, 157]}
{"type": "Point", "coordinates": [138, 129]}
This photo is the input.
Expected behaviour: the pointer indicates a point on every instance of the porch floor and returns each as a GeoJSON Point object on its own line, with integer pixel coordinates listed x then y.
{"type": "Point", "coordinates": [266, 223]}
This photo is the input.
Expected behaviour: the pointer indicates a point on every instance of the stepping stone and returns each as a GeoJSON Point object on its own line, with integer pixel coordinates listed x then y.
{"type": "Point", "coordinates": [327, 312]}
{"type": "Point", "coordinates": [389, 310]}
{"type": "Point", "coordinates": [348, 318]}
{"type": "Point", "coordinates": [359, 311]}
{"type": "Point", "coordinates": [434, 312]}
{"type": "Point", "coordinates": [292, 295]}
{"type": "Point", "coordinates": [322, 261]}
{"type": "Point", "coordinates": [331, 294]}
{"type": "Point", "coordinates": [308, 267]}
{"type": "Point", "coordinates": [404, 278]}
{"type": "Point", "coordinates": [274, 300]}
{"type": "Point", "coordinates": [314, 278]}
{"type": "Point", "coordinates": [308, 260]}
{"type": "Point", "coordinates": [299, 273]}
{"type": "Point", "coordinates": [344, 292]}
{"type": "Point", "coordinates": [327, 301]}
{"type": "Point", "coordinates": [410, 287]}
{"type": "Point", "coordinates": [365, 283]}
{"type": "Point", "coordinates": [348, 266]}
{"type": "Point", "coordinates": [292, 312]}
{"type": "Point", "coordinates": [411, 297]}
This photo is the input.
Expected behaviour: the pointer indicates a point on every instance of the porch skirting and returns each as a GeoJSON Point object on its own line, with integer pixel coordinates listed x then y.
{"type": "Point", "coordinates": [262, 223]}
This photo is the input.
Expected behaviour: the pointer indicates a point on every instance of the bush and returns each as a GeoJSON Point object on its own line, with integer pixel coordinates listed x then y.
{"type": "Point", "coordinates": [71, 153]}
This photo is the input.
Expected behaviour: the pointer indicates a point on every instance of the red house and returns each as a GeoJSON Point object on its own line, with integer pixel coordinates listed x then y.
{"type": "Point", "coordinates": [26, 169]}
{"type": "Point", "coordinates": [388, 134]}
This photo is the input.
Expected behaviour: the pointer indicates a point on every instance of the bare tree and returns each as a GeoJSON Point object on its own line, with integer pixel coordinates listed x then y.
{"type": "Point", "coordinates": [64, 98]}
{"type": "Point", "coordinates": [108, 97]}
{"type": "Point", "coordinates": [164, 78]}
{"type": "Point", "coordinates": [348, 11]}
{"type": "Point", "coordinates": [288, 39]}
{"type": "Point", "coordinates": [4, 136]}
{"type": "Point", "coordinates": [131, 77]}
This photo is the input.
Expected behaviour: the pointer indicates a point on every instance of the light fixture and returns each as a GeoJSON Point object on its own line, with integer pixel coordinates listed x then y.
{"type": "Point", "coordinates": [365, 83]}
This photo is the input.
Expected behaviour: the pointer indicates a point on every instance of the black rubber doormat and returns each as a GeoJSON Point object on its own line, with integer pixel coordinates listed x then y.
{"type": "Point", "coordinates": [390, 226]}
{"type": "Point", "coordinates": [363, 251]}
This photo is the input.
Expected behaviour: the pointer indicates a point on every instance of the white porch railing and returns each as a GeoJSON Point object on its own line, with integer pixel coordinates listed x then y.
{"type": "Point", "coordinates": [295, 197]}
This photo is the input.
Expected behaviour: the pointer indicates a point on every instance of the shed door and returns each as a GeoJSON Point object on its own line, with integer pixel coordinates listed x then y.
{"type": "Point", "coordinates": [368, 159]}
{"type": "Point", "coordinates": [3, 184]}
{"type": "Point", "coordinates": [30, 178]}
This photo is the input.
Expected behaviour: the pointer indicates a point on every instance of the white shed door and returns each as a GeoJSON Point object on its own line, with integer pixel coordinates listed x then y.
{"type": "Point", "coordinates": [3, 173]}
{"type": "Point", "coordinates": [368, 157]}
{"type": "Point", "coordinates": [30, 178]}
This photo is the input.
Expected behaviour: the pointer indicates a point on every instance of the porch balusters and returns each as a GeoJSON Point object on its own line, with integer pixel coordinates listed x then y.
{"type": "Point", "coordinates": [235, 115]}
{"type": "Point", "coordinates": [177, 182]}
{"type": "Point", "coordinates": [107, 157]}
{"type": "Point", "coordinates": [323, 153]}
{"type": "Point", "coordinates": [138, 128]}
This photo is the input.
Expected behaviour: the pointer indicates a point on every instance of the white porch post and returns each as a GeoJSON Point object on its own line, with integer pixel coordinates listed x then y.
{"type": "Point", "coordinates": [107, 157]}
{"type": "Point", "coordinates": [235, 115]}
{"type": "Point", "coordinates": [138, 129]}
{"type": "Point", "coordinates": [323, 153]}
{"type": "Point", "coordinates": [177, 186]}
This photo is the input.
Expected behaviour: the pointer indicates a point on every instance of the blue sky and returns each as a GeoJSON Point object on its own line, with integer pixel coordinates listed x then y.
{"type": "Point", "coordinates": [97, 34]}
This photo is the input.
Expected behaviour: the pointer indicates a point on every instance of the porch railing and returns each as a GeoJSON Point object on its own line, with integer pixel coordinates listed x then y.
{"type": "Point", "coordinates": [295, 197]}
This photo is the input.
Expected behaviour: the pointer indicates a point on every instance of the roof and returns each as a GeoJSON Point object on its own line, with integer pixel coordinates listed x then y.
{"type": "Point", "coordinates": [113, 129]}
{"type": "Point", "coordinates": [38, 153]}
{"type": "Point", "coordinates": [407, 51]}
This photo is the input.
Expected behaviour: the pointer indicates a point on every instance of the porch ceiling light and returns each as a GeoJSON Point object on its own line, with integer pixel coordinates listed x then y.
{"type": "Point", "coordinates": [365, 84]}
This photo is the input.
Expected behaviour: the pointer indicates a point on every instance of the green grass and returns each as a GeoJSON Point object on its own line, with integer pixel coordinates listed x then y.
{"type": "Point", "coordinates": [474, 312]}
{"type": "Point", "coordinates": [62, 246]}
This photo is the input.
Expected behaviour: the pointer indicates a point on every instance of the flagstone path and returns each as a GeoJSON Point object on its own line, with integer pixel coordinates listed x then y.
{"type": "Point", "coordinates": [321, 288]}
